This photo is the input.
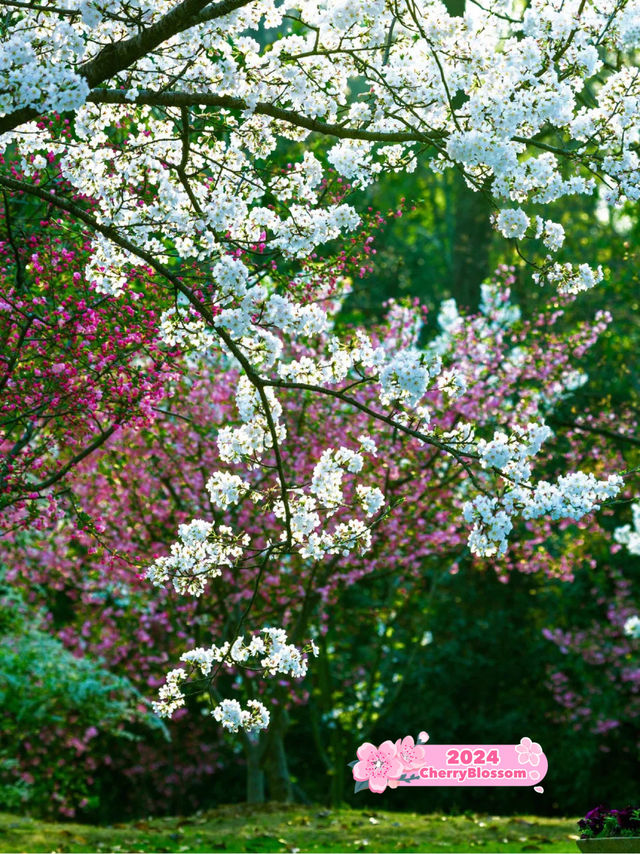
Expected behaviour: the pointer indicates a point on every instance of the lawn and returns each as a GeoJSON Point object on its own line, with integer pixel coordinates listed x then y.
{"type": "Point", "coordinates": [293, 829]}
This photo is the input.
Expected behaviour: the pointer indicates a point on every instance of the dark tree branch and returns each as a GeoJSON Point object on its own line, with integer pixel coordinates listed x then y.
{"type": "Point", "coordinates": [20, 279]}
{"type": "Point", "coordinates": [600, 431]}
{"type": "Point", "coordinates": [208, 99]}
{"type": "Point", "coordinates": [97, 442]}
{"type": "Point", "coordinates": [122, 55]}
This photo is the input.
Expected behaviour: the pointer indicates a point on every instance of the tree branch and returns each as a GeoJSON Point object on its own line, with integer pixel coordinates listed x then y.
{"type": "Point", "coordinates": [119, 56]}
{"type": "Point", "coordinates": [207, 99]}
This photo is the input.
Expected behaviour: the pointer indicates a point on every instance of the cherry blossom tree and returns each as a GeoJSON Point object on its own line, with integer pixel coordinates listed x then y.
{"type": "Point", "coordinates": [520, 371]}
{"type": "Point", "coordinates": [157, 127]}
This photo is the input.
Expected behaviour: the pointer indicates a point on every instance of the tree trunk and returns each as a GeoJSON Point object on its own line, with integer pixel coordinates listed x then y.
{"type": "Point", "coordinates": [472, 242]}
{"type": "Point", "coordinates": [274, 761]}
{"type": "Point", "coordinates": [340, 771]}
{"type": "Point", "coordinates": [255, 774]}
{"type": "Point", "coordinates": [472, 229]}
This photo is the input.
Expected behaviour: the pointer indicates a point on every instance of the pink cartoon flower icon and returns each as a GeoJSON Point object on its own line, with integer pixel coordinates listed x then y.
{"type": "Point", "coordinates": [528, 751]}
{"type": "Point", "coordinates": [410, 754]}
{"type": "Point", "coordinates": [376, 765]}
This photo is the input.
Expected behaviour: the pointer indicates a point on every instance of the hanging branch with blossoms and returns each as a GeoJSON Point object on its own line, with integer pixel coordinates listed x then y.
{"type": "Point", "coordinates": [470, 347]}
{"type": "Point", "coordinates": [175, 113]}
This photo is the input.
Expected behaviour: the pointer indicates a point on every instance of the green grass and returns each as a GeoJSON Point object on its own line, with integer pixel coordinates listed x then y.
{"type": "Point", "coordinates": [293, 829]}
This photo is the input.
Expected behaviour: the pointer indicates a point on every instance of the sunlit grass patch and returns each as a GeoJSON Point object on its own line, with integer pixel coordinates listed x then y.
{"type": "Point", "coordinates": [277, 828]}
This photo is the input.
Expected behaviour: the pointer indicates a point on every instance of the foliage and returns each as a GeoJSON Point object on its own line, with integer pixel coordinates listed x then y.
{"type": "Point", "coordinates": [60, 715]}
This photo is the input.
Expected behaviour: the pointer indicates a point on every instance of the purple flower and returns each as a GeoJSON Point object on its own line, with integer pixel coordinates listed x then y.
{"type": "Point", "coordinates": [602, 820]}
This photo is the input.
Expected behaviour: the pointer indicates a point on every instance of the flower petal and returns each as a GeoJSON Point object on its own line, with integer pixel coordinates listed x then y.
{"type": "Point", "coordinates": [421, 754]}
{"type": "Point", "coordinates": [387, 750]}
{"type": "Point", "coordinates": [378, 784]}
{"type": "Point", "coordinates": [367, 751]}
{"type": "Point", "coordinates": [395, 768]}
{"type": "Point", "coordinates": [360, 773]}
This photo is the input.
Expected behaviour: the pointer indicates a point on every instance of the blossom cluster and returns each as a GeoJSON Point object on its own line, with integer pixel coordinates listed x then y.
{"type": "Point", "coordinates": [199, 556]}
{"type": "Point", "coordinates": [76, 366]}
{"type": "Point", "coordinates": [570, 497]}
{"type": "Point", "coordinates": [267, 653]}
{"type": "Point", "coordinates": [231, 715]}
{"type": "Point", "coordinates": [629, 535]}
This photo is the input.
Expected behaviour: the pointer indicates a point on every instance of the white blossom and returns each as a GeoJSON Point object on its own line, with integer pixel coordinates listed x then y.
{"type": "Point", "coordinates": [632, 627]}
{"type": "Point", "coordinates": [512, 222]}
{"type": "Point", "coordinates": [199, 555]}
{"type": "Point", "coordinates": [629, 535]}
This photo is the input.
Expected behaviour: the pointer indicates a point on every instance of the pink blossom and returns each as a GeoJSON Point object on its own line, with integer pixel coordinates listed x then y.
{"type": "Point", "coordinates": [410, 754]}
{"type": "Point", "coordinates": [376, 765]}
{"type": "Point", "coordinates": [528, 751]}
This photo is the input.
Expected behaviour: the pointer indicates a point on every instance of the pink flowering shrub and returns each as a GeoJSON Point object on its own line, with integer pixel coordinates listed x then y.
{"type": "Point", "coordinates": [75, 367]}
